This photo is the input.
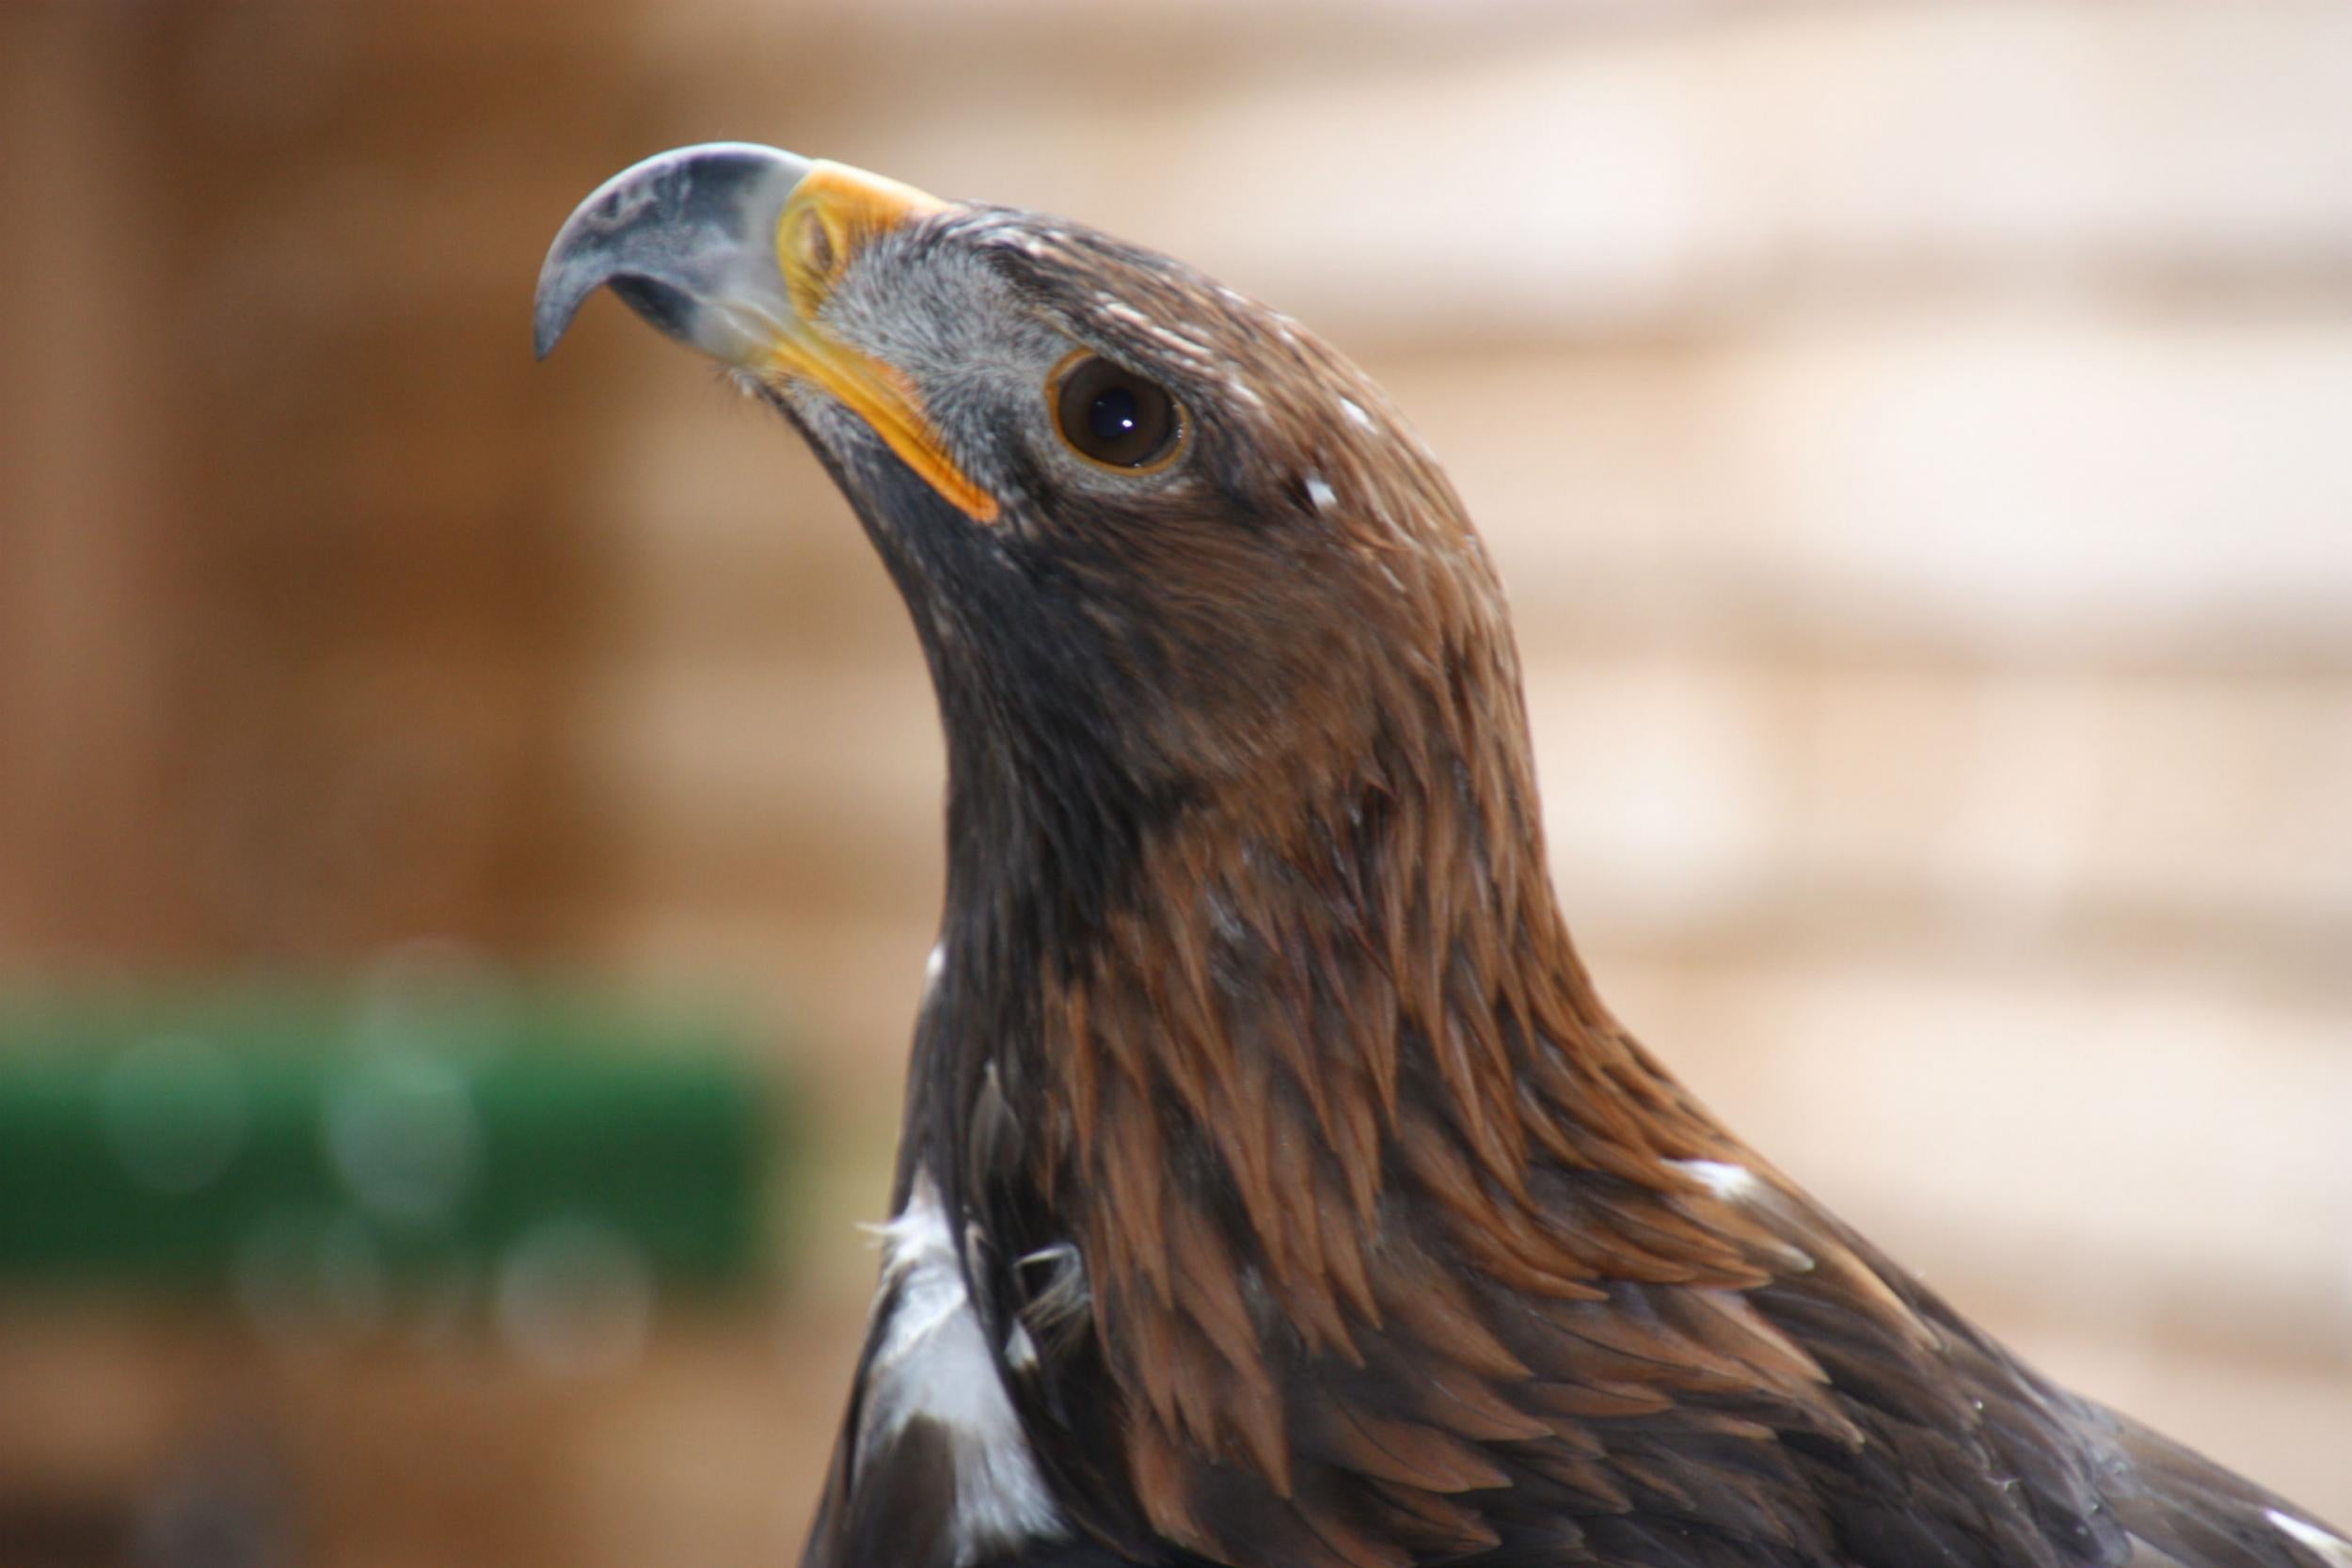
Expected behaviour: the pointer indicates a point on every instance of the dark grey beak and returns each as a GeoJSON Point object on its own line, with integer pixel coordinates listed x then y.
{"type": "Point", "coordinates": [688, 240]}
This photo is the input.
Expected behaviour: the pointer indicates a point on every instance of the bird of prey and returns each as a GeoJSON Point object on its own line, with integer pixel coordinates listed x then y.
{"type": "Point", "coordinates": [1275, 1190]}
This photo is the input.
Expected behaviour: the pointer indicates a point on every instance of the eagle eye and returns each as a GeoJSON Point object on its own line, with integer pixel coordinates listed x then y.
{"type": "Point", "coordinates": [1111, 416]}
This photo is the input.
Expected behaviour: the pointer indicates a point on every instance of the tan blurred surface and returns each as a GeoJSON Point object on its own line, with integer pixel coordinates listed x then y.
{"type": "Point", "coordinates": [1917, 438]}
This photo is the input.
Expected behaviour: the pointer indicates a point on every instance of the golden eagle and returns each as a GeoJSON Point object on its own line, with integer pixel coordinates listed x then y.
{"type": "Point", "coordinates": [1274, 1189]}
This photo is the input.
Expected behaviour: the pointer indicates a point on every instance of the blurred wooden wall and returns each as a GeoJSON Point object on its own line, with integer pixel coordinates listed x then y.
{"type": "Point", "coordinates": [1917, 438]}
{"type": "Point", "coordinates": [292, 611]}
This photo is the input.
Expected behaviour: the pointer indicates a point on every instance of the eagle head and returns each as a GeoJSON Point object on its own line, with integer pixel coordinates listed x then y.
{"type": "Point", "coordinates": [1164, 548]}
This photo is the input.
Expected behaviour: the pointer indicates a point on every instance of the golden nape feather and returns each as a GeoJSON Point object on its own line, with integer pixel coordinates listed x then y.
{"type": "Point", "coordinates": [1276, 1191]}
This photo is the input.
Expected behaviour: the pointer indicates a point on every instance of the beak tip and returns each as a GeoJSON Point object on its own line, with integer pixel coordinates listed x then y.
{"type": "Point", "coordinates": [548, 327]}
{"type": "Point", "coordinates": [564, 284]}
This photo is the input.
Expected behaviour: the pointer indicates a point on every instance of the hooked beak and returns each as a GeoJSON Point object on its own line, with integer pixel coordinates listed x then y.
{"type": "Point", "coordinates": [733, 249]}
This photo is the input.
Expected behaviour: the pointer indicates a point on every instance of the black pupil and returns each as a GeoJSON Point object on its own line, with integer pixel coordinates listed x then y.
{"type": "Point", "coordinates": [1114, 415]}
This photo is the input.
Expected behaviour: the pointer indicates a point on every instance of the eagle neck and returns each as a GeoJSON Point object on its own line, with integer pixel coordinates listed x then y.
{"type": "Point", "coordinates": [1372, 960]}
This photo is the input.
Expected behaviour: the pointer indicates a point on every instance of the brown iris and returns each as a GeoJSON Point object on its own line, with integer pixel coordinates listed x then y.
{"type": "Point", "coordinates": [1109, 414]}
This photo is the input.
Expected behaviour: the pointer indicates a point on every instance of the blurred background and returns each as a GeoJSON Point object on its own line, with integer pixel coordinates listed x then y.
{"type": "Point", "coordinates": [468, 829]}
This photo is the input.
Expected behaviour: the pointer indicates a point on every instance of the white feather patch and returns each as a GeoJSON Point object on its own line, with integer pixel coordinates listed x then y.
{"type": "Point", "coordinates": [1727, 1181]}
{"type": "Point", "coordinates": [931, 1361]}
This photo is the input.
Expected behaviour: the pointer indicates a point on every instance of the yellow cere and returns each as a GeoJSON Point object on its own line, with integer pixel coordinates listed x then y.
{"type": "Point", "coordinates": [834, 212]}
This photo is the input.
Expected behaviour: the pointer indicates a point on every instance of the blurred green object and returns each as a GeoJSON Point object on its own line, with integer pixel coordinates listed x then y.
{"type": "Point", "coordinates": [290, 1146]}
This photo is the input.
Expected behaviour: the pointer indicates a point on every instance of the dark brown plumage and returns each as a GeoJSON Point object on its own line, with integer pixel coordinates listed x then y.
{"type": "Point", "coordinates": [1275, 1188]}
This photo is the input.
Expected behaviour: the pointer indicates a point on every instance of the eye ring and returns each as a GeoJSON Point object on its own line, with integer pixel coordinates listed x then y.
{"type": "Point", "coordinates": [1114, 417]}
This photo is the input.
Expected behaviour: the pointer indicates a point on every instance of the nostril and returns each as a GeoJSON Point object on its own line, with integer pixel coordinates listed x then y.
{"type": "Point", "coordinates": [814, 243]}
